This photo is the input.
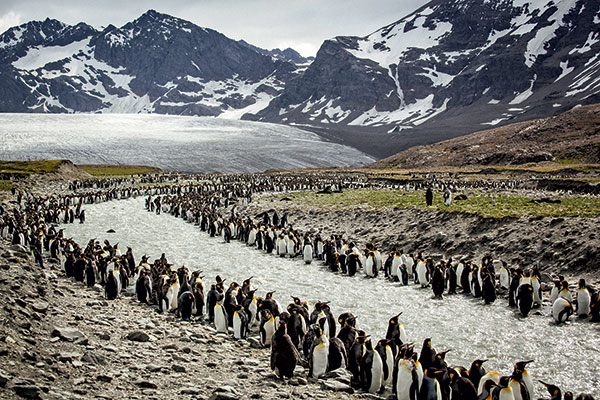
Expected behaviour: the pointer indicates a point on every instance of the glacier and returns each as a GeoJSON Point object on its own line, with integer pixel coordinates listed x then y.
{"type": "Point", "coordinates": [175, 143]}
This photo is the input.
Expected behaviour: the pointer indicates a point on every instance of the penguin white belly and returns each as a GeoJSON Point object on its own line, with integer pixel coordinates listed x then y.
{"type": "Point", "coordinates": [553, 294]}
{"type": "Point", "coordinates": [403, 337]}
{"type": "Point", "coordinates": [237, 326]}
{"type": "Point", "coordinates": [528, 381]}
{"type": "Point", "coordinates": [118, 278]}
{"type": "Point", "coordinates": [396, 262]}
{"type": "Point", "coordinates": [174, 289]}
{"type": "Point", "coordinates": [291, 248]}
{"type": "Point", "coordinates": [281, 247]}
{"type": "Point", "coordinates": [269, 330]}
{"type": "Point", "coordinates": [253, 309]}
{"type": "Point", "coordinates": [459, 272]}
{"type": "Point", "coordinates": [319, 359]}
{"type": "Point", "coordinates": [377, 259]}
{"type": "Point", "coordinates": [565, 294]}
{"type": "Point", "coordinates": [506, 394]}
{"type": "Point", "coordinates": [369, 267]}
{"type": "Point", "coordinates": [307, 253]}
{"type": "Point", "coordinates": [537, 299]}
{"type": "Point", "coordinates": [376, 373]}
{"type": "Point", "coordinates": [504, 278]}
{"type": "Point", "coordinates": [516, 389]}
{"type": "Point", "coordinates": [220, 320]}
{"type": "Point", "coordinates": [409, 262]}
{"type": "Point", "coordinates": [252, 238]}
{"type": "Point", "coordinates": [583, 302]}
{"type": "Point", "coordinates": [422, 274]}
{"type": "Point", "coordinates": [492, 375]}
{"type": "Point", "coordinates": [560, 309]}
{"type": "Point", "coordinates": [389, 361]}
{"type": "Point", "coordinates": [404, 379]}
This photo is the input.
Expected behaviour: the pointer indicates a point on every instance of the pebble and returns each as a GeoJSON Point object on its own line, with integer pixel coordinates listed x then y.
{"type": "Point", "coordinates": [192, 391]}
{"type": "Point", "coordinates": [27, 391]}
{"type": "Point", "coordinates": [146, 384]}
{"type": "Point", "coordinates": [93, 357]}
{"type": "Point", "coordinates": [138, 336]}
{"type": "Point", "coordinates": [40, 306]}
{"type": "Point", "coordinates": [336, 386]}
{"type": "Point", "coordinates": [70, 335]}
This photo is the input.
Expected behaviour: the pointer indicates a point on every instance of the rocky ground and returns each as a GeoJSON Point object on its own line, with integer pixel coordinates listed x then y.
{"type": "Point", "coordinates": [61, 340]}
{"type": "Point", "coordinates": [567, 246]}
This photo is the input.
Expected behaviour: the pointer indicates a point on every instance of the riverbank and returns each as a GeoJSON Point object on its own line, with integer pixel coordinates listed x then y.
{"type": "Point", "coordinates": [61, 340]}
{"type": "Point", "coordinates": [569, 246]}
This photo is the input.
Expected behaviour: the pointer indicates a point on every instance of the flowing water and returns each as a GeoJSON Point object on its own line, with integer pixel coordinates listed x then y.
{"type": "Point", "coordinates": [567, 355]}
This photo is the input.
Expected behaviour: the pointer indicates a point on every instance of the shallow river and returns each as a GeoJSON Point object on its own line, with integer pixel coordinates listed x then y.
{"type": "Point", "coordinates": [568, 355]}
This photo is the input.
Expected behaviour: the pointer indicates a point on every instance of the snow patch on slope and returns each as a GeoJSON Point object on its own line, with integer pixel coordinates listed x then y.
{"type": "Point", "coordinates": [537, 45]}
{"type": "Point", "coordinates": [37, 57]}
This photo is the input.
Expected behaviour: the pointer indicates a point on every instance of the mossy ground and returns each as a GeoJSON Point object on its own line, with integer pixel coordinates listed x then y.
{"type": "Point", "coordinates": [115, 170]}
{"type": "Point", "coordinates": [29, 167]}
{"type": "Point", "coordinates": [485, 204]}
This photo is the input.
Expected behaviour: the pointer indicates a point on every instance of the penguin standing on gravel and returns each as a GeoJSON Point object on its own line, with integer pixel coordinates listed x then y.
{"type": "Point", "coordinates": [384, 348]}
{"type": "Point", "coordinates": [240, 322]}
{"type": "Point", "coordinates": [111, 287]}
{"type": "Point", "coordinates": [284, 355]}
{"type": "Point", "coordinates": [185, 305]}
{"type": "Point", "coordinates": [319, 356]}
{"type": "Point", "coordinates": [220, 317]}
{"type": "Point", "coordinates": [211, 300]}
{"type": "Point", "coordinates": [267, 327]}
{"type": "Point", "coordinates": [143, 287]}
{"type": "Point", "coordinates": [371, 369]}
{"type": "Point", "coordinates": [91, 271]}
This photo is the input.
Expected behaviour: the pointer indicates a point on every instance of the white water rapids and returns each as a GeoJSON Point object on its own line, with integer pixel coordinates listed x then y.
{"type": "Point", "coordinates": [567, 355]}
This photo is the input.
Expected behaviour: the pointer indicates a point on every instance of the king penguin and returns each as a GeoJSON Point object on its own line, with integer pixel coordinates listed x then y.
{"type": "Point", "coordinates": [240, 322]}
{"type": "Point", "coordinates": [220, 317]}
{"type": "Point", "coordinates": [319, 356]}
{"type": "Point", "coordinates": [371, 369]}
{"type": "Point", "coordinates": [583, 300]}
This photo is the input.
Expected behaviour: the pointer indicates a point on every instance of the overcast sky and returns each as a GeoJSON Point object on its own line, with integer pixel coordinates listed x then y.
{"type": "Point", "coordinates": [300, 24]}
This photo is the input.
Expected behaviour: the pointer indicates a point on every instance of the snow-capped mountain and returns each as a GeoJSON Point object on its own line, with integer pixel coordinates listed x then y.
{"type": "Point", "coordinates": [452, 65]}
{"type": "Point", "coordinates": [156, 63]}
{"type": "Point", "coordinates": [450, 68]}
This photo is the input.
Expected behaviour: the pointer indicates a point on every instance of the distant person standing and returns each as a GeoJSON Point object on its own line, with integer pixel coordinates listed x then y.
{"type": "Point", "coordinates": [429, 197]}
{"type": "Point", "coordinates": [447, 197]}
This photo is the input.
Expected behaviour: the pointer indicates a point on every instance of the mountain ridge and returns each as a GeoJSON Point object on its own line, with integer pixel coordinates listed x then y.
{"type": "Point", "coordinates": [573, 136]}
{"type": "Point", "coordinates": [447, 69]}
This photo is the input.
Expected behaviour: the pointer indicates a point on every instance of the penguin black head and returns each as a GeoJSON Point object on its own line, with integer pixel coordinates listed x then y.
{"type": "Point", "coordinates": [553, 390]}
{"type": "Point", "coordinates": [521, 365]}
{"type": "Point", "coordinates": [442, 355]}
{"type": "Point", "coordinates": [269, 295]}
{"type": "Point", "coordinates": [568, 396]}
{"type": "Point", "coordinates": [394, 319]}
{"type": "Point", "coordinates": [478, 363]}
{"type": "Point", "coordinates": [504, 380]}
{"type": "Point", "coordinates": [582, 283]}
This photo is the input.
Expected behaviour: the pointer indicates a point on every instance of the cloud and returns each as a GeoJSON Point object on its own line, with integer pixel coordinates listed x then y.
{"type": "Point", "coordinates": [301, 24]}
{"type": "Point", "coordinates": [9, 20]}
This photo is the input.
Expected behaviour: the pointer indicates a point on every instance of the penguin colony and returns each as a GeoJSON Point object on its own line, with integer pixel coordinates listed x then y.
{"type": "Point", "coordinates": [294, 335]}
{"type": "Point", "coordinates": [273, 235]}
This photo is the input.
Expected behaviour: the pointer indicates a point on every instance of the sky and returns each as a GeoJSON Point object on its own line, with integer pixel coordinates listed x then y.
{"type": "Point", "coordinates": [300, 24]}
